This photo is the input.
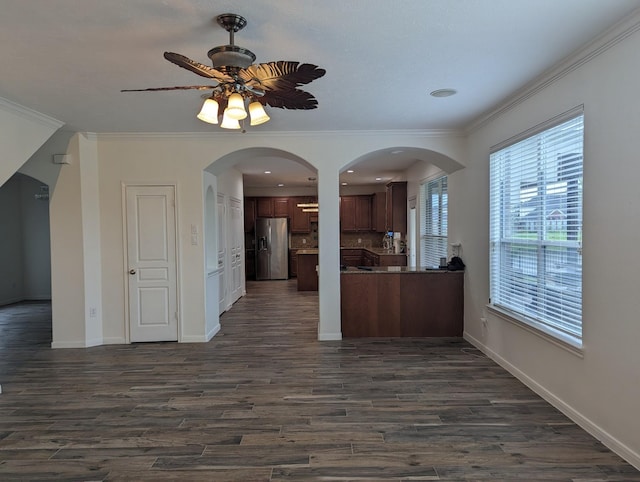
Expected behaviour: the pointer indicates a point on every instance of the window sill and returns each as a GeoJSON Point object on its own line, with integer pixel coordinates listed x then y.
{"type": "Point", "coordinates": [567, 342]}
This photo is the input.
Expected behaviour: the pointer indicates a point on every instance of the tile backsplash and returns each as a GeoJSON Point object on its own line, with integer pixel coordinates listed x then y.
{"type": "Point", "coordinates": [361, 240]}
{"type": "Point", "coordinates": [307, 240]}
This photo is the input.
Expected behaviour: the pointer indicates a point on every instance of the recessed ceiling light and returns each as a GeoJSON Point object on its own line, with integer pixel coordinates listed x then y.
{"type": "Point", "coordinates": [443, 93]}
{"type": "Point", "coordinates": [397, 151]}
{"type": "Point", "coordinates": [280, 185]}
{"type": "Point", "coordinates": [344, 183]}
{"type": "Point", "coordinates": [350, 171]}
{"type": "Point", "coordinates": [378, 179]}
{"type": "Point", "coordinates": [267, 172]}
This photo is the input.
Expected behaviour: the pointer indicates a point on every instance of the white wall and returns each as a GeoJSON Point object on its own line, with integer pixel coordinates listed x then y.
{"type": "Point", "coordinates": [67, 254]}
{"type": "Point", "coordinates": [22, 132]}
{"type": "Point", "coordinates": [12, 277]}
{"type": "Point", "coordinates": [601, 390]}
{"type": "Point", "coordinates": [181, 159]}
{"type": "Point", "coordinates": [36, 259]}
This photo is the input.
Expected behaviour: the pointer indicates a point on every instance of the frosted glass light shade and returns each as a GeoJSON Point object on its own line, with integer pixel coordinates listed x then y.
{"type": "Point", "coordinates": [209, 112]}
{"type": "Point", "coordinates": [257, 113]}
{"type": "Point", "coordinates": [235, 107]}
{"type": "Point", "coordinates": [229, 122]}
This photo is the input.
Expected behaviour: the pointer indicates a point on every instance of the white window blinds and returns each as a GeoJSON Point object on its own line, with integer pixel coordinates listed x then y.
{"type": "Point", "coordinates": [433, 239]}
{"type": "Point", "coordinates": [536, 226]}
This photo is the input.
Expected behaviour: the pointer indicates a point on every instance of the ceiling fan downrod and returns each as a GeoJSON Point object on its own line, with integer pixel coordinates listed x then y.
{"type": "Point", "coordinates": [231, 58]}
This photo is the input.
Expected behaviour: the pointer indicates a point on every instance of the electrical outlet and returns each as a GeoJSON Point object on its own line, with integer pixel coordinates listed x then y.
{"type": "Point", "coordinates": [92, 312]}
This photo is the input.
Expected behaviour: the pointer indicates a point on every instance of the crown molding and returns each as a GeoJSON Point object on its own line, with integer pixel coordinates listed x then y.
{"type": "Point", "coordinates": [428, 133]}
{"type": "Point", "coordinates": [30, 114]}
{"type": "Point", "coordinates": [605, 41]}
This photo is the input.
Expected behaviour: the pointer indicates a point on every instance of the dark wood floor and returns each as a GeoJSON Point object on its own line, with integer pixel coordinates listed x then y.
{"type": "Point", "coordinates": [264, 401]}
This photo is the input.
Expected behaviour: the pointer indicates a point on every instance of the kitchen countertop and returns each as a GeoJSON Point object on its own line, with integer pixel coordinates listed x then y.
{"type": "Point", "coordinates": [378, 251]}
{"type": "Point", "coordinates": [396, 269]}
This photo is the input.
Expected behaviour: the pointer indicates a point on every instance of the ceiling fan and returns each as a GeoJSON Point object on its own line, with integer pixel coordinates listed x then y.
{"type": "Point", "coordinates": [237, 80]}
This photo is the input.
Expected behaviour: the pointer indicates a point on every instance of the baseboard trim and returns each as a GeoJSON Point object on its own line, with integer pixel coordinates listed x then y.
{"type": "Point", "coordinates": [595, 430]}
{"type": "Point", "coordinates": [330, 336]}
{"type": "Point", "coordinates": [75, 344]}
{"type": "Point", "coordinates": [116, 340]}
{"type": "Point", "coordinates": [194, 339]}
{"type": "Point", "coordinates": [214, 331]}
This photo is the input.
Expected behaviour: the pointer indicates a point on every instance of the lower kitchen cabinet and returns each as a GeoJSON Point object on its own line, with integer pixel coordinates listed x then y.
{"type": "Point", "coordinates": [351, 257]}
{"type": "Point", "coordinates": [293, 263]}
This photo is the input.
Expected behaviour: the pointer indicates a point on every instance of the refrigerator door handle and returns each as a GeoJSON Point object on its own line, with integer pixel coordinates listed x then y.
{"type": "Point", "coordinates": [262, 243]}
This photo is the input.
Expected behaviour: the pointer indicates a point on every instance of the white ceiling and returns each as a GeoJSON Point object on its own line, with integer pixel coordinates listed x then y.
{"type": "Point", "coordinates": [69, 59]}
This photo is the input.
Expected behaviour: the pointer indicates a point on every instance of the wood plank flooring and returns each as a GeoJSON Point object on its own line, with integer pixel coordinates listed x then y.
{"type": "Point", "coordinates": [265, 401]}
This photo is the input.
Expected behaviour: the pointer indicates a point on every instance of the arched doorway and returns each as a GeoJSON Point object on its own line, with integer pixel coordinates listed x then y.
{"type": "Point", "coordinates": [25, 259]}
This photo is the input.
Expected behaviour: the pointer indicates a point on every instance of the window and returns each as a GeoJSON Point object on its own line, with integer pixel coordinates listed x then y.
{"type": "Point", "coordinates": [433, 235]}
{"type": "Point", "coordinates": [536, 227]}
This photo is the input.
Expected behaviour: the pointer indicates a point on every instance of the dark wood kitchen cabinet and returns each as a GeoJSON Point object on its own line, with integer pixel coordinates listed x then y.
{"type": "Point", "coordinates": [281, 207]}
{"type": "Point", "coordinates": [351, 257]}
{"type": "Point", "coordinates": [397, 207]}
{"type": "Point", "coordinates": [293, 263]}
{"type": "Point", "coordinates": [379, 212]}
{"type": "Point", "coordinates": [273, 207]}
{"type": "Point", "coordinates": [264, 207]}
{"type": "Point", "coordinates": [300, 221]}
{"type": "Point", "coordinates": [355, 213]}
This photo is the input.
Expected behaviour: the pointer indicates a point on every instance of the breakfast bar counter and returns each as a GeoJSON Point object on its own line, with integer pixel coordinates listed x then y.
{"type": "Point", "coordinates": [397, 301]}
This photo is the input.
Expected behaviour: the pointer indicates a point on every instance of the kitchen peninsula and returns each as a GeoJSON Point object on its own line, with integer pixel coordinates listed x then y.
{"type": "Point", "coordinates": [396, 301]}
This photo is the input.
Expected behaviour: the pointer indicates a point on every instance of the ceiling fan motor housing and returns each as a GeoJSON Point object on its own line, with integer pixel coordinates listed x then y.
{"type": "Point", "coordinates": [231, 57]}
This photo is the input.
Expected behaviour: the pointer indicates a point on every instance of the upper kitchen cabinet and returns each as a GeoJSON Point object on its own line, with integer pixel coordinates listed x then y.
{"type": "Point", "coordinates": [355, 213]}
{"type": "Point", "coordinates": [264, 207]}
{"type": "Point", "coordinates": [379, 212]}
{"type": "Point", "coordinates": [281, 207]}
{"type": "Point", "coordinates": [273, 207]}
{"type": "Point", "coordinates": [397, 207]}
{"type": "Point", "coordinates": [301, 221]}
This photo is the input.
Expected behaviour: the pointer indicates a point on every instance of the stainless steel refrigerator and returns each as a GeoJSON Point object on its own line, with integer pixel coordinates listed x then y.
{"type": "Point", "coordinates": [272, 248]}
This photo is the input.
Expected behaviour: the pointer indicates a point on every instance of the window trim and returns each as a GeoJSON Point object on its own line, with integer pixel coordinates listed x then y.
{"type": "Point", "coordinates": [423, 215]}
{"type": "Point", "coordinates": [567, 341]}
{"type": "Point", "coordinates": [563, 340]}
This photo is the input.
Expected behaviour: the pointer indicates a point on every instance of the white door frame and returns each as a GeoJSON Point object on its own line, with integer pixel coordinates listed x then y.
{"type": "Point", "coordinates": [125, 261]}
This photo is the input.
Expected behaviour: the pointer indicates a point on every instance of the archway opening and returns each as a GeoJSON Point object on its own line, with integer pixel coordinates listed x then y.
{"type": "Point", "coordinates": [25, 260]}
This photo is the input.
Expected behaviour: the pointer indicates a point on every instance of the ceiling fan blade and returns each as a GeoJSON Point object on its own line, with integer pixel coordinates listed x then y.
{"type": "Point", "coordinates": [294, 99]}
{"type": "Point", "coordinates": [196, 67]}
{"type": "Point", "coordinates": [180, 87]}
{"type": "Point", "coordinates": [280, 75]}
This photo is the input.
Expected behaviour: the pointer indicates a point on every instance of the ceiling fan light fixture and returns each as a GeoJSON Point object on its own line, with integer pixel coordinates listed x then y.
{"type": "Point", "coordinates": [235, 108]}
{"type": "Point", "coordinates": [238, 81]}
{"type": "Point", "coordinates": [229, 122]}
{"type": "Point", "coordinates": [209, 112]}
{"type": "Point", "coordinates": [257, 113]}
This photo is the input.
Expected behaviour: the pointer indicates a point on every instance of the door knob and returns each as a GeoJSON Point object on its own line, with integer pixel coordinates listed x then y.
{"type": "Point", "coordinates": [132, 271]}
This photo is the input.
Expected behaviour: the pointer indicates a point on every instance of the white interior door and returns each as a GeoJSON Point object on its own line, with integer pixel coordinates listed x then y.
{"type": "Point", "coordinates": [222, 252]}
{"type": "Point", "coordinates": [151, 256]}
{"type": "Point", "coordinates": [236, 226]}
